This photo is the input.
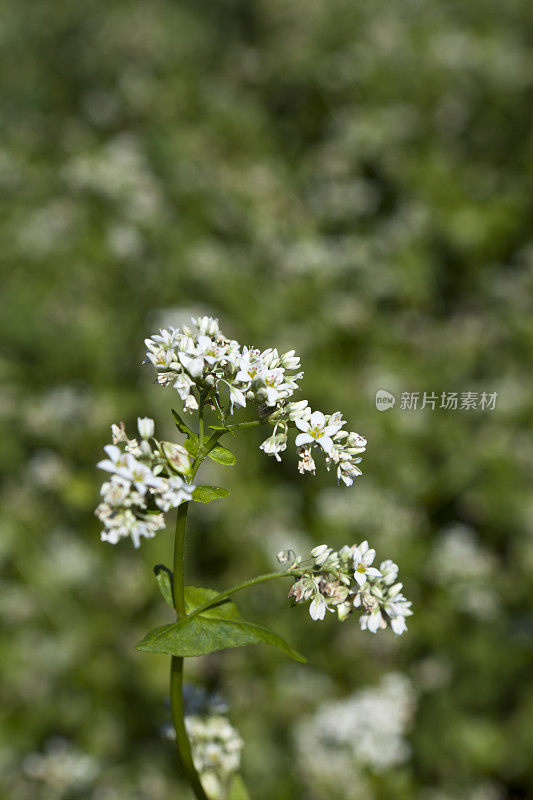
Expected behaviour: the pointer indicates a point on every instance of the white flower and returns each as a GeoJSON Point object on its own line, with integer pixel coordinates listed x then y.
{"type": "Point", "coordinates": [273, 386]}
{"type": "Point", "coordinates": [210, 350]}
{"type": "Point", "coordinates": [289, 360]}
{"type": "Point", "coordinates": [194, 364]}
{"type": "Point", "coordinates": [397, 608]}
{"type": "Point", "coordinates": [298, 410]}
{"type": "Point", "coordinates": [318, 606]}
{"type": "Point", "coordinates": [174, 492]}
{"type": "Point", "coordinates": [207, 326]}
{"type": "Point", "coordinates": [362, 559]}
{"type": "Point", "coordinates": [183, 384]}
{"type": "Point", "coordinates": [146, 427]}
{"type": "Point", "coordinates": [275, 444]}
{"type": "Point", "coordinates": [321, 553]}
{"type": "Point", "coordinates": [250, 365]}
{"type": "Point", "coordinates": [398, 625]}
{"type": "Point", "coordinates": [372, 622]}
{"type": "Point", "coordinates": [116, 491]}
{"type": "Point", "coordinates": [355, 443]}
{"type": "Point", "coordinates": [116, 459]}
{"type": "Point", "coordinates": [389, 570]}
{"type": "Point", "coordinates": [139, 474]}
{"type": "Point", "coordinates": [347, 471]}
{"type": "Point", "coordinates": [161, 359]}
{"type": "Point", "coordinates": [236, 396]}
{"type": "Point", "coordinates": [316, 430]}
{"type": "Point", "coordinates": [191, 404]}
{"type": "Point", "coordinates": [165, 338]}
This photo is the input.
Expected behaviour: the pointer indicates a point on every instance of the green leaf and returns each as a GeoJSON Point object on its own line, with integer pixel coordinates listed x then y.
{"type": "Point", "coordinates": [219, 628]}
{"type": "Point", "coordinates": [195, 597]}
{"type": "Point", "coordinates": [164, 578]}
{"type": "Point", "coordinates": [191, 444]}
{"type": "Point", "coordinates": [205, 494]}
{"type": "Point", "coordinates": [222, 456]}
{"type": "Point", "coordinates": [180, 424]}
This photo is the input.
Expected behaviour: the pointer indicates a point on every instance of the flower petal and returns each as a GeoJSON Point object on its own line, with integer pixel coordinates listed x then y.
{"type": "Point", "coordinates": [317, 419]}
{"type": "Point", "coordinates": [302, 424]}
{"type": "Point", "coordinates": [326, 443]}
{"type": "Point", "coordinates": [113, 452]}
{"type": "Point", "coordinates": [317, 609]}
{"type": "Point", "coordinates": [303, 438]}
{"type": "Point", "coordinates": [372, 572]}
{"type": "Point", "coordinates": [106, 464]}
{"type": "Point", "coordinates": [369, 557]}
{"type": "Point", "coordinates": [360, 577]}
{"type": "Point", "coordinates": [332, 429]}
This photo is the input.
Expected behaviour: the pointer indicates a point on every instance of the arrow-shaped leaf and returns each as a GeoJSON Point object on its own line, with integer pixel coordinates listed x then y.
{"type": "Point", "coordinates": [219, 628]}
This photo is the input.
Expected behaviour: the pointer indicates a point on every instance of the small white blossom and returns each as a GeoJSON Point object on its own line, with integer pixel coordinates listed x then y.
{"type": "Point", "coordinates": [362, 559]}
{"type": "Point", "coordinates": [316, 430]}
{"type": "Point", "coordinates": [318, 607]}
{"type": "Point", "coordinates": [145, 426]}
{"type": "Point", "coordinates": [191, 404]}
{"type": "Point", "coordinates": [183, 385]}
{"type": "Point", "coordinates": [116, 458]}
{"type": "Point", "coordinates": [274, 445]}
{"type": "Point", "coordinates": [320, 553]}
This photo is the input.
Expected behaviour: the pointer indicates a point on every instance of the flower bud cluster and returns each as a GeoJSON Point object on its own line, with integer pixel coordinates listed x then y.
{"type": "Point", "coordinates": [346, 580]}
{"type": "Point", "coordinates": [198, 360]}
{"type": "Point", "coordinates": [146, 481]}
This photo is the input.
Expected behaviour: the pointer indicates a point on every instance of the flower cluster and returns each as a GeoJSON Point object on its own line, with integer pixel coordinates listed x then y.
{"type": "Point", "coordinates": [200, 359]}
{"type": "Point", "coordinates": [216, 751]}
{"type": "Point", "coordinates": [345, 580]}
{"type": "Point", "coordinates": [61, 767]}
{"type": "Point", "coordinates": [146, 481]}
{"type": "Point", "coordinates": [200, 363]}
{"type": "Point", "coordinates": [216, 745]}
{"type": "Point", "coordinates": [344, 741]}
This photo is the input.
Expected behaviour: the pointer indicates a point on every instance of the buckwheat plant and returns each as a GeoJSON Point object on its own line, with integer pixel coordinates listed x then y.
{"type": "Point", "coordinates": [214, 375]}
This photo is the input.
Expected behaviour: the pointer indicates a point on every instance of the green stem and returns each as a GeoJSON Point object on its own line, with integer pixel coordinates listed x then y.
{"type": "Point", "coordinates": [201, 424]}
{"type": "Point", "coordinates": [176, 667]}
{"type": "Point", "coordinates": [179, 558]}
{"type": "Point", "coordinates": [178, 588]}
{"type": "Point", "coordinates": [212, 442]}
{"type": "Point", "coordinates": [182, 738]}
{"type": "Point", "coordinates": [251, 582]}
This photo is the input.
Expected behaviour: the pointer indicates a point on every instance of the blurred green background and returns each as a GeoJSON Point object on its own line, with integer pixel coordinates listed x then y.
{"type": "Point", "coordinates": [346, 178]}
